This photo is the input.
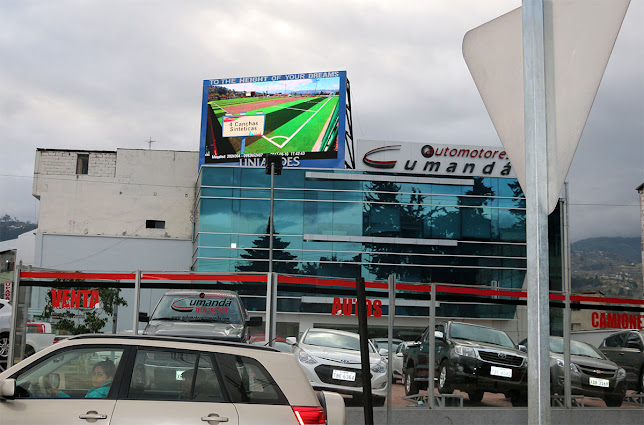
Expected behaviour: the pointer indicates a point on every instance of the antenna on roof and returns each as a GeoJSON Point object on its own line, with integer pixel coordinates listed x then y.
{"type": "Point", "coordinates": [149, 142]}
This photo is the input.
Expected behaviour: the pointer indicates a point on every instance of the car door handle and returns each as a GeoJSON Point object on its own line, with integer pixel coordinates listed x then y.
{"type": "Point", "coordinates": [213, 417]}
{"type": "Point", "coordinates": [92, 414]}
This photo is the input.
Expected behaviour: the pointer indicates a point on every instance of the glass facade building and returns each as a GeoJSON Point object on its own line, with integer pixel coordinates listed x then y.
{"type": "Point", "coordinates": [349, 224]}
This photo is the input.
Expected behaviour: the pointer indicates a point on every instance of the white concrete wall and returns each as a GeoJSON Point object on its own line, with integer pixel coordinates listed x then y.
{"type": "Point", "coordinates": [121, 191]}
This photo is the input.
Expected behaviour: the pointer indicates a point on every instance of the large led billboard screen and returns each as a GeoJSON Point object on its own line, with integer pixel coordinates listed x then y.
{"type": "Point", "coordinates": [298, 116]}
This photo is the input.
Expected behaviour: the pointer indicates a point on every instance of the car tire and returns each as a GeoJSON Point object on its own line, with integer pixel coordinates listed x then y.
{"type": "Point", "coordinates": [379, 401]}
{"type": "Point", "coordinates": [642, 380]}
{"type": "Point", "coordinates": [613, 401]}
{"type": "Point", "coordinates": [411, 386]}
{"type": "Point", "coordinates": [403, 379]}
{"type": "Point", "coordinates": [518, 399]}
{"type": "Point", "coordinates": [443, 385]}
{"type": "Point", "coordinates": [475, 396]}
{"type": "Point", "coordinates": [4, 346]}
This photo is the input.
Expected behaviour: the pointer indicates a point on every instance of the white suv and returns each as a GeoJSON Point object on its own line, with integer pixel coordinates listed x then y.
{"type": "Point", "coordinates": [5, 328]}
{"type": "Point", "coordinates": [126, 379]}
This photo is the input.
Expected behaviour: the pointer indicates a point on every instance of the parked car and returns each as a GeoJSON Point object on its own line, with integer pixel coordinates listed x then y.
{"type": "Point", "coordinates": [39, 335]}
{"type": "Point", "coordinates": [151, 380]}
{"type": "Point", "coordinates": [381, 343]}
{"type": "Point", "coordinates": [211, 314]}
{"type": "Point", "coordinates": [5, 329]}
{"type": "Point", "coordinates": [397, 361]}
{"type": "Point", "coordinates": [626, 349]}
{"type": "Point", "coordinates": [591, 373]}
{"type": "Point", "coordinates": [279, 342]}
{"type": "Point", "coordinates": [331, 361]}
{"type": "Point", "coordinates": [470, 358]}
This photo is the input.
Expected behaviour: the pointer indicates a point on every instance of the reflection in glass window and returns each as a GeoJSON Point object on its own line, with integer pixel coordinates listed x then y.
{"type": "Point", "coordinates": [248, 382]}
{"type": "Point", "coordinates": [161, 375]}
{"type": "Point", "coordinates": [74, 373]}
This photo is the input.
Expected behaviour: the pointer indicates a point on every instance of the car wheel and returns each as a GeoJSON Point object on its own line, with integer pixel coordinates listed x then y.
{"type": "Point", "coordinates": [4, 346]}
{"type": "Point", "coordinates": [443, 386]}
{"type": "Point", "coordinates": [613, 401]}
{"type": "Point", "coordinates": [403, 379]}
{"type": "Point", "coordinates": [379, 401]}
{"type": "Point", "coordinates": [642, 380]}
{"type": "Point", "coordinates": [411, 386]}
{"type": "Point", "coordinates": [518, 399]}
{"type": "Point", "coordinates": [475, 396]}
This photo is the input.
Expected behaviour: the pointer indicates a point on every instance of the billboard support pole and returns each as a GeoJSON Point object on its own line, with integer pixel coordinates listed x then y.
{"type": "Point", "coordinates": [539, 127]}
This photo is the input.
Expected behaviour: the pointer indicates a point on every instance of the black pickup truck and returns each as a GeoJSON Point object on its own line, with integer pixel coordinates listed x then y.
{"type": "Point", "coordinates": [470, 358]}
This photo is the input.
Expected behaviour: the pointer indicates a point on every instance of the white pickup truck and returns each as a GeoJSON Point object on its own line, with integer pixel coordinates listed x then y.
{"type": "Point", "coordinates": [40, 335]}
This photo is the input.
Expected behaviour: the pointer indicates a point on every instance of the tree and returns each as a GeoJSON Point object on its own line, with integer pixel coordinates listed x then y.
{"type": "Point", "coordinates": [83, 320]}
{"type": "Point", "coordinates": [257, 257]}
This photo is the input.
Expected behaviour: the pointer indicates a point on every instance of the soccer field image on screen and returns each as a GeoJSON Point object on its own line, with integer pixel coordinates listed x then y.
{"type": "Point", "coordinates": [301, 117]}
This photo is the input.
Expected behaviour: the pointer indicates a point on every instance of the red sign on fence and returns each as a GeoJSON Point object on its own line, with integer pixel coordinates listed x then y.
{"type": "Point", "coordinates": [7, 290]}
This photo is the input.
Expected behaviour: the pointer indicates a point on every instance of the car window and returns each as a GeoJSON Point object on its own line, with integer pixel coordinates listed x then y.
{"type": "Point", "coordinates": [333, 340]}
{"type": "Point", "coordinates": [633, 341]}
{"type": "Point", "coordinates": [204, 307]}
{"type": "Point", "coordinates": [74, 373]}
{"type": "Point", "coordinates": [614, 341]}
{"type": "Point", "coordinates": [480, 334]}
{"type": "Point", "coordinates": [168, 375]}
{"type": "Point", "coordinates": [247, 381]}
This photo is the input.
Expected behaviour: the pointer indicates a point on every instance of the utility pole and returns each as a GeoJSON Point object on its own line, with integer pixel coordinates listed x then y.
{"type": "Point", "coordinates": [149, 142]}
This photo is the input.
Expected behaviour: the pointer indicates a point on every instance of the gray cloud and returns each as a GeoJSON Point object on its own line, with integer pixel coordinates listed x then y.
{"type": "Point", "coordinates": [101, 75]}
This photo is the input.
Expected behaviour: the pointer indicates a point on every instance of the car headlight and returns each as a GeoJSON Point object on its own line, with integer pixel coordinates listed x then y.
{"type": "Point", "coordinates": [573, 366]}
{"type": "Point", "coordinates": [306, 357]}
{"type": "Point", "coordinates": [380, 367]}
{"type": "Point", "coordinates": [621, 373]}
{"type": "Point", "coordinates": [462, 350]}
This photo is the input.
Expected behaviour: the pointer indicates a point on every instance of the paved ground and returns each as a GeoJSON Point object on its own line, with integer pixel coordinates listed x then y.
{"type": "Point", "coordinates": [489, 400]}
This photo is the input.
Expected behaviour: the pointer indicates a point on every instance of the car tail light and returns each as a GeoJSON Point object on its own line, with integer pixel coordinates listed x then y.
{"type": "Point", "coordinates": [309, 415]}
{"type": "Point", "coordinates": [58, 339]}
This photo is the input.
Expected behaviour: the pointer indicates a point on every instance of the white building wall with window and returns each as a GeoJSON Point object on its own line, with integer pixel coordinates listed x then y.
{"type": "Point", "coordinates": [134, 193]}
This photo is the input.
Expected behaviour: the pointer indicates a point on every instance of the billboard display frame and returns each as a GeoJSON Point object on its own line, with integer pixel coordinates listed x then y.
{"type": "Point", "coordinates": [287, 108]}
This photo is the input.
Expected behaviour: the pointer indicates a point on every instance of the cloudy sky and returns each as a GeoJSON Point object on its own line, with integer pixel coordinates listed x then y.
{"type": "Point", "coordinates": [82, 74]}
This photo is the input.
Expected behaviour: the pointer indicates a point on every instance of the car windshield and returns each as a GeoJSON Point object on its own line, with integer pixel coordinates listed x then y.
{"type": "Point", "coordinates": [333, 340]}
{"type": "Point", "coordinates": [576, 348]}
{"type": "Point", "coordinates": [480, 334]}
{"type": "Point", "coordinates": [204, 307]}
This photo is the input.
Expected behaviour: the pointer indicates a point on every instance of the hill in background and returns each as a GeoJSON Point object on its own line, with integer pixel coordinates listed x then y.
{"type": "Point", "coordinates": [612, 266]}
{"type": "Point", "coordinates": [11, 228]}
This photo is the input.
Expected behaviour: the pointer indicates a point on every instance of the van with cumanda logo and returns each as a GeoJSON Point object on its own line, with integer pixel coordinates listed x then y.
{"type": "Point", "coordinates": [207, 314]}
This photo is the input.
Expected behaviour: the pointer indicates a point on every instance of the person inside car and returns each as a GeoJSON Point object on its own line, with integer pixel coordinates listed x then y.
{"type": "Point", "coordinates": [102, 376]}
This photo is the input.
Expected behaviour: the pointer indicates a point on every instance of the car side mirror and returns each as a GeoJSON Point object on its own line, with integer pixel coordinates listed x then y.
{"type": "Point", "coordinates": [383, 352]}
{"type": "Point", "coordinates": [8, 389]}
{"type": "Point", "coordinates": [254, 321]}
{"type": "Point", "coordinates": [291, 340]}
{"type": "Point", "coordinates": [143, 317]}
{"type": "Point", "coordinates": [438, 335]}
{"type": "Point", "coordinates": [399, 354]}
{"type": "Point", "coordinates": [523, 348]}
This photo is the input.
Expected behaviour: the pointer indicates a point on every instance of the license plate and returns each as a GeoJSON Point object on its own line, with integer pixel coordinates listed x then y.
{"type": "Point", "coordinates": [596, 382]}
{"type": "Point", "coordinates": [344, 376]}
{"type": "Point", "coordinates": [501, 371]}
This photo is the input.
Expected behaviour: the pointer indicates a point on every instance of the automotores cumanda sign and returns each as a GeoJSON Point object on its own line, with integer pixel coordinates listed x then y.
{"type": "Point", "coordinates": [433, 159]}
